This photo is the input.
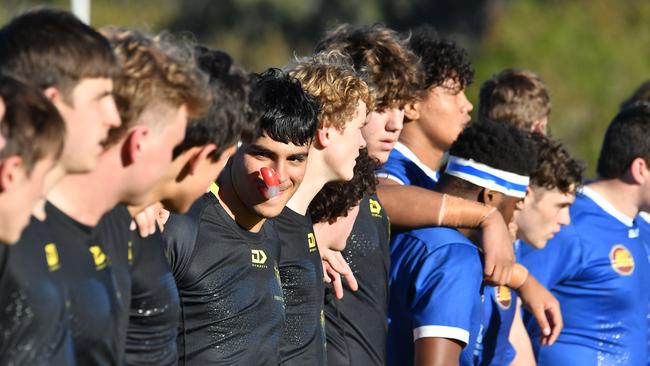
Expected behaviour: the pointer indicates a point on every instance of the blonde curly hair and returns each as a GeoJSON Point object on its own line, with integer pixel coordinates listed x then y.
{"type": "Point", "coordinates": [154, 69]}
{"type": "Point", "coordinates": [330, 77]}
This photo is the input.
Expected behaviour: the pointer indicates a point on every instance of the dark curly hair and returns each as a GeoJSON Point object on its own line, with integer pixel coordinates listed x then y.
{"type": "Point", "coordinates": [556, 168]}
{"type": "Point", "coordinates": [627, 138]}
{"type": "Point", "coordinates": [641, 94]}
{"type": "Point", "coordinates": [336, 198]}
{"type": "Point", "coordinates": [440, 59]}
{"type": "Point", "coordinates": [380, 54]}
{"type": "Point", "coordinates": [498, 145]}
{"type": "Point", "coordinates": [229, 116]}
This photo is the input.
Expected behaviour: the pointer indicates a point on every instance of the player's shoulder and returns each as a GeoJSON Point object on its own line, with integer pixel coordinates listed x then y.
{"type": "Point", "coordinates": [435, 238]}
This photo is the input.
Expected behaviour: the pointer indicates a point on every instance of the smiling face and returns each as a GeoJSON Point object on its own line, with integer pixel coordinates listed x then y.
{"type": "Point", "coordinates": [444, 113]}
{"type": "Point", "coordinates": [88, 114]}
{"type": "Point", "coordinates": [381, 132]}
{"type": "Point", "coordinates": [287, 159]}
{"type": "Point", "coordinates": [543, 213]}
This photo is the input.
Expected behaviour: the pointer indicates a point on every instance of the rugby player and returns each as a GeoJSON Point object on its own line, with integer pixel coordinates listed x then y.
{"type": "Point", "coordinates": [597, 266]}
{"type": "Point", "coordinates": [436, 274]}
{"type": "Point", "coordinates": [73, 65]}
{"type": "Point", "coordinates": [209, 142]}
{"type": "Point", "coordinates": [349, 215]}
{"type": "Point", "coordinates": [345, 100]}
{"type": "Point", "coordinates": [224, 253]}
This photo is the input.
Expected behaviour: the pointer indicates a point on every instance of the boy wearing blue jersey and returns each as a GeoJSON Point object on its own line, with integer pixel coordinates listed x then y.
{"type": "Point", "coordinates": [597, 266]}
{"type": "Point", "coordinates": [435, 306]}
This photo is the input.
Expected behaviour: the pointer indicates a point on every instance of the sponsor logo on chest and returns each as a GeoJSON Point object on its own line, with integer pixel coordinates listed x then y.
{"type": "Point", "coordinates": [503, 296]}
{"type": "Point", "coordinates": [621, 260]}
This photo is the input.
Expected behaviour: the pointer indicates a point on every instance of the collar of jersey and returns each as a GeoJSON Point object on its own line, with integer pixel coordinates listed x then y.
{"type": "Point", "coordinates": [645, 216]}
{"type": "Point", "coordinates": [606, 206]}
{"type": "Point", "coordinates": [411, 156]}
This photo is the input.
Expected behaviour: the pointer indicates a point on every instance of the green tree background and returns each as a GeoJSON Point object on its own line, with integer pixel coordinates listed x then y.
{"type": "Point", "coordinates": [591, 53]}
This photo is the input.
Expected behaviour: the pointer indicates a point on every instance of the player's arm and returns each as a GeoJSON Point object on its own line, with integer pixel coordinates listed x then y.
{"type": "Point", "coordinates": [411, 206]}
{"type": "Point", "coordinates": [544, 307]}
{"type": "Point", "coordinates": [520, 341]}
{"type": "Point", "coordinates": [437, 351]}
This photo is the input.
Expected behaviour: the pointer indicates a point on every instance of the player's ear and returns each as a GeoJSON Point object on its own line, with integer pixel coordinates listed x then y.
{"type": "Point", "coordinates": [12, 173]}
{"type": "Point", "coordinates": [201, 154]}
{"type": "Point", "coordinates": [490, 197]}
{"type": "Point", "coordinates": [412, 111]}
{"type": "Point", "coordinates": [639, 171]}
{"type": "Point", "coordinates": [323, 138]}
{"type": "Point", "coordinates": [134, 144]}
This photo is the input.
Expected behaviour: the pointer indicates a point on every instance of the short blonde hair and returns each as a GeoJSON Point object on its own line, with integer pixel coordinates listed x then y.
{"type": "Point", "coordinates": [329, 76]}
{"type": "Point", "coordinates": [154, 69]}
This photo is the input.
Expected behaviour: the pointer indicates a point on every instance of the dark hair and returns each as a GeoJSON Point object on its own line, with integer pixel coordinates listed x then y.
{"type": "Point", "coordinates": [556, 168]}
{"type": "Point", "coordinates": [336, 198]}
{"type": "Point", "coordinates": [380, 54]}
{"type": "Point", "coordinates": [31, 125]}
{"type": "Point", "coordinates": [498, 145]}
{"type": "Point", "coordinates": [514, 96]}
{"type": "Point", "coordinates": [440, 59]}
{"type": "Point", "coordinates": [52, 47]}
{"type": "Point", "coordinates": [229, 116]}
{"type": "Point", "coordinates": [642, 94]}
{"type": "Point", "coordinates": [286, 112]}
{"type": "Point", "coordinates": [627, 138]}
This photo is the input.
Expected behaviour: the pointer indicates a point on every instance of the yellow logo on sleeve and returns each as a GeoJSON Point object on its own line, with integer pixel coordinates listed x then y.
{"type": "Point", "coordinates": [621, 260]}
{"type": "Point", "coordinates": [258, 258]}
{"type": "Point", "coordinates": [375, 208]}
{"type": "Point", "coordinates": [52, 257]}
{"type": "Point", "coordinates": [311, 240]}
{"type": "Point", "coordinates": [100, 258]}
{"type": "Point", "coordinates": [130, 252]}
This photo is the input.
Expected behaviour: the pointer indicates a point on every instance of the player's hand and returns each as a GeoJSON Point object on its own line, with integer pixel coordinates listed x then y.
{"type": "Point", "coordinates": [335, 266]}
{"type": "Point", "coordinates": [544, 307]}
{"type": "Point", "coordinates": [498, 250]}
{"type": "Point", "coordinates": [146, 220]}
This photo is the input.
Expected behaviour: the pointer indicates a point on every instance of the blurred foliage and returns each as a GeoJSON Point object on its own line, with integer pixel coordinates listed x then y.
{"type": "Point", "coordinates": [591, 53]}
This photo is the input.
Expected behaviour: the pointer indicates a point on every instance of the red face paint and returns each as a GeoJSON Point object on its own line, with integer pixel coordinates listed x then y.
{"type": "Point", "coordinates": [272, 181]}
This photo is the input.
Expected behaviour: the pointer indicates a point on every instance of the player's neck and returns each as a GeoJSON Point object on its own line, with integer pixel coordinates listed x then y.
{"type": "Point", "coordinates": [314, 180]}
{"type": "Point", "coordinates": [415, 139]}
{"type": "Point", "coordinates": [87, 197]}
{"type": "Point", "coordinates": [621, 195]}
{"type": "Point", "coordinates": [235, 207]}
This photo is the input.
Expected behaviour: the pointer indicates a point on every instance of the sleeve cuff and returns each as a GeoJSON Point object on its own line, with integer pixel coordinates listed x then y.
{"type": "Point", "coordinates": [441, 331]}
{"type": "Point", "coordinates": [382, 175]}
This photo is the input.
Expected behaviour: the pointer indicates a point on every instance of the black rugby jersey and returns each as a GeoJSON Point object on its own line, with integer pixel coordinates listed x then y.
{"type": "Point", "coordinates": [97, 308]}
{"type": "Point", "coordinates": [155, 308]}
{"type": "Point", "coordinates": [301, 275]}
{"type": "Point", "coordinates": [34, 328]}
{"type": "Point", "coordinates": [356, 325]}
{"type": "Point", "coordinates": [232, 311]}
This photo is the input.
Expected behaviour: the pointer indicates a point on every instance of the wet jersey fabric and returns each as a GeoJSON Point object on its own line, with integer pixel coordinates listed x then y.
{"type": "Point", "coordinates": [232, 310]}
{"type": "Point", "coordinates": [493, 347]}
{"type": "Point", "coordinates": [405, 168]}
{"type": "Point", "coordinates": [301, 275]}
{"type": "Point", "coordinates": [97, 316]}
{"type": "Point", "coordinates": [598, 269]}
{"type": "Point", "coordinates": [155, 306]}
{"type": "Point", "coordinates": [435, 291]}
{"type": "Point", "coordinates": [34, 324]}
{"type": "Point", "coordinates": [356, 326]}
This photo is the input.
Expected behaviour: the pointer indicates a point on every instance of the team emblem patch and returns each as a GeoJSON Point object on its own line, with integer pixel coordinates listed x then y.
{"type": "Point", "coordinates": [52, 257]}
{"type": "Point", "coordinates": [375, 208]}
{"type": "Point", "coordinates": [258, 258]}
{"type": "Point", "coordinates": [621, 260]}
{"type": "Point", "coordinates": [503, 296]}
{"type": "Point", "coordinates": [311, 241]}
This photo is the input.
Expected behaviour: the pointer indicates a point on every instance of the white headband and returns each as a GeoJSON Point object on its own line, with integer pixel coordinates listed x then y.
{"type": "Point", "coordinates": [508, 183]}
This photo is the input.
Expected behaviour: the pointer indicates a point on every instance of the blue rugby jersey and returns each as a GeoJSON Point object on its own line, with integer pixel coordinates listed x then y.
{"type": "Point", "coordinates": [643, 220]}
{"type": "Point", "coordinates": [493, 346]}
{"type": "Point", "coordinates": [598, 269]}
{"type": "Point", "coordinates": [435, 291]}
{"type": "Point", "coordinates": [405, 168]}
